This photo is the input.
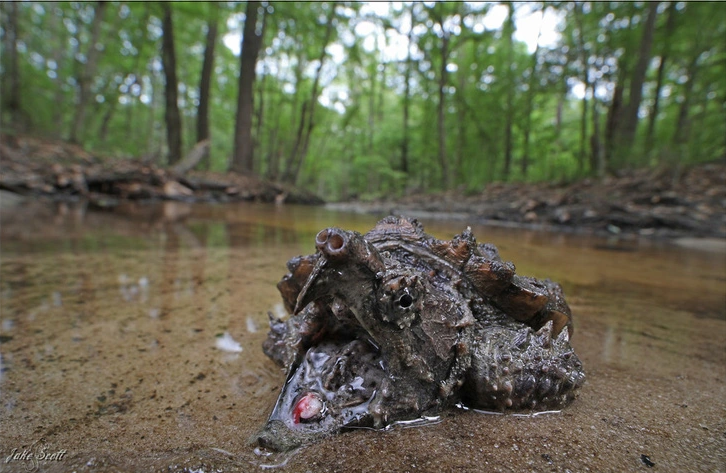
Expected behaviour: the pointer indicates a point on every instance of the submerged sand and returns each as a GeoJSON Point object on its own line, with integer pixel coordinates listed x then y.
{"type": "Point", "coordinates": [110, 325]}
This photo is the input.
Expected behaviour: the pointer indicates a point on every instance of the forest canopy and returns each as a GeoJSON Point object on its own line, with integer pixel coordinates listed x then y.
{"type": "Point", "coordinates": [352, 99]}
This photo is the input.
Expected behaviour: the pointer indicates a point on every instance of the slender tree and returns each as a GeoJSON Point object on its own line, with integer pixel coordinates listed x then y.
{"type": "Point", "coordinates": [682, 129]}
{"type": "Point", "coordinates": [59, 57]}
{"type": "Point", "coordinates": [531, 88]}
{"type": "Point", "coordinates": [273, 147]}
{"type": "Point", "coordinates": [307, 122]}
{"type": "Point", "coordinates": [87, 72]}
{"type": "Point", "coordinates": [630, 121]}
{"type": "Point", "coordinates": [585, 67]}
{"type": "Point", "coordinates": [405, 141]}
{"type": "Point", "coordinates": [205, 81]}
{"type": "Point", "coordinates": [597, 158]}
{"type": "Point", "coordinates": [618, 106]}
{"type": "Point", "coordinates": [242, 159]}
{"type": "Point", "coordinates": [660, 76]}
{"type": "Point", "coordinates": [259, 166]}
{"type": "Point", "coordinates": [508, 34]}
{"type": "Point", "coordinates": [10, 93]}
{"type": "Point", "coordinates": [171, 87]}
{"type": "Point", "coordinates": [440, 18]}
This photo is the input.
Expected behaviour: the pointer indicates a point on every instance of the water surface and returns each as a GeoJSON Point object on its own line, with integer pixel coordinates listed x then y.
{"type": "Point", "coordinates": [110, 349]}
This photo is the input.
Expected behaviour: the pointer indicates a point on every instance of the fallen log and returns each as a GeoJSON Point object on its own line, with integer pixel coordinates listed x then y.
{"type": "Point", "coordinates": [192, 158]}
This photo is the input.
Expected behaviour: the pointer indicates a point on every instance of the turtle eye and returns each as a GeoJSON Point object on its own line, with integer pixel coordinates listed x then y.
{"type": "Point", "coordinates": [401, 299]}
{"type": "Point", "coordinates": [405, 301]}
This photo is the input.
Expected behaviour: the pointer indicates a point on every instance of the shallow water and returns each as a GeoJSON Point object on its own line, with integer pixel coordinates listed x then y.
{"type": "Point", "coordinates": [112, 330]}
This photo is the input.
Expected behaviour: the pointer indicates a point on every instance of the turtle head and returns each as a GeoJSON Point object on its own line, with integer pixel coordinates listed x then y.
{"type": "Point", "coordinates": [348, 267]}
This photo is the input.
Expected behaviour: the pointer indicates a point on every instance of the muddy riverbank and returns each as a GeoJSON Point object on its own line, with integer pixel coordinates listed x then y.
{"type": "Point", "coordinates": [661, 203]}
{"type": "Point", "coordinates": [654, 203]}
{"type": "Point", "coordinates": [57, 170]}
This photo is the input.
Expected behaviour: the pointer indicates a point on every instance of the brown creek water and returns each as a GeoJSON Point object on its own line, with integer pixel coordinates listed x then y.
{"type": "Point", "coordinates": [111, 325]}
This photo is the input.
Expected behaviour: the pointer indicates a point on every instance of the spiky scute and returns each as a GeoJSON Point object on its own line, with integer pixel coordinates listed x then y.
{"type": "Point", "coordinates": [537, 371]}
{"type": "Point", "coordinates": [528, 300]}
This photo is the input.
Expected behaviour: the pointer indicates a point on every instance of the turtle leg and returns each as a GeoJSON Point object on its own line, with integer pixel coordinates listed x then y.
{"type": "Point", "coordinates": [457, 373]}
{"type": "Point", "coordinates": [293, 336]}
{"type": "Point", "coordinates": [515, 367]}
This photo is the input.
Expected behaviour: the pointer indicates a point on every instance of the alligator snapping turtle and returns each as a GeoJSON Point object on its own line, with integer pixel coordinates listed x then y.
{"type": "Point", "coordinates": [396, 325]}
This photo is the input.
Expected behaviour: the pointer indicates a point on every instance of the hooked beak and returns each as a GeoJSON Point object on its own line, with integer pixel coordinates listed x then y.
{"type": "Point", "coordinates": [347, 268]}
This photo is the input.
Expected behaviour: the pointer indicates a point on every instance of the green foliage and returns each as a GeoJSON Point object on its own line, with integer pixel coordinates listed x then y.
{"type": "Point", "coordinates": [554, 106]}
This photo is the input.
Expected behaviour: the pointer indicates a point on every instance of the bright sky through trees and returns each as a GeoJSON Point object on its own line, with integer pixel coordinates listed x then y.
{"type": "Point", "coordinates": [531, 25]}
{"type": "Point", "coordinates": [527, 21]}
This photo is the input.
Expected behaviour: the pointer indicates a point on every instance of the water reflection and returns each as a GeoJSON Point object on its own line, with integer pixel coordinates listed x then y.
{"type": "Point", "coordinates": [144, 324]}
{"type": "Point", "coordinates": [177, 257]}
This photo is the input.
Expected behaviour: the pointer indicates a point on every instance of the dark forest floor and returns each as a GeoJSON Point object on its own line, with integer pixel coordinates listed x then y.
{"type": "Point", "coordinates": [689, 202]}
{"type": "Point", "coordinates": [62, 171]}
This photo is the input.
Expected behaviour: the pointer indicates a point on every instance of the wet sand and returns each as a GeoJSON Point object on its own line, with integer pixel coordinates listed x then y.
{"type": "Point", "coordinates": [110, 324]}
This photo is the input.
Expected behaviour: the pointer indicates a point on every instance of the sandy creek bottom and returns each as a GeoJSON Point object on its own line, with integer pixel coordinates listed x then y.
{"type": "Point", "coordinates": [109, 361]}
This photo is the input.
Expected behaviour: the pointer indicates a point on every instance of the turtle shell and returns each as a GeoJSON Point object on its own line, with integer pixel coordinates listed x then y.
{"type": "Point", "coordinates": [475, 267]}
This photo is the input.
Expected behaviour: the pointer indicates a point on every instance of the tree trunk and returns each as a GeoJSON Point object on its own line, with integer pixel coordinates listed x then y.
{"type": "Point", "coordinates": [260, 111]}
{"type": "Point", "coordinates": [205, 81]}
{"type": "Point", "coordinates": [291, 168]}
{"type": "Point", "coordinates": [407, 97]}
{"type": "Point", "coordinates": [381, 90]}
{"type": "Point", "coordinates": [617, 110]}
{"type": "Point", "coordinates": [110, 111]}
{"type": "Point", "coordinates": [313, 101]}
{"type": "Point", "coordinates": [583, 132]}
{"type": "Point", "coordinates": [150, 148]}
{"type": "Point", "coordinates": [273, 147]}
{"type": "Point", "coordinates": [586, 80]}
{"type": "Point", "coordinates": [307, 122]}
{"type": "Point", "coordinates": [168, 59]}
{"type": "Point", "coordinates": [682, 130]}
{"type": "Point", "coordinates": [60, 32]}
{"type": "Point", "coordinates": [87, 72]}
{"type": "Point", "coordinates": [138, 73]}
{"type": "Point", "coordinates": [533, 76]}
{"type": "Point", "coordinates": [636, 83]}
{"type": "Point", "coordinates": [611, 126]}
{"type": "Point", "coordinates": [509, 113]}
{"type": "Point", "coordinates": [260, 116]}
{"type": "Point", "coordinates": [597, 160]}
{"type": "Point", "coordinates": [372, 107]}
{"type": "Point", "coordinates": [461, 142]}
{"type": "Point", "coordinates": [441, 109]}
{"type": "Point", "coordinates": [289, 161]}
{"type": "Point", "coordinates": [11, 78]}
{"type": "Point", "coordinates": [564, 89]}
{"type": "Point", "coordinates": [251, 42]}
{"type": "Point", "coordinates": [653, 115]}
{"type": "Point", "coordinates": [406, 107]}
